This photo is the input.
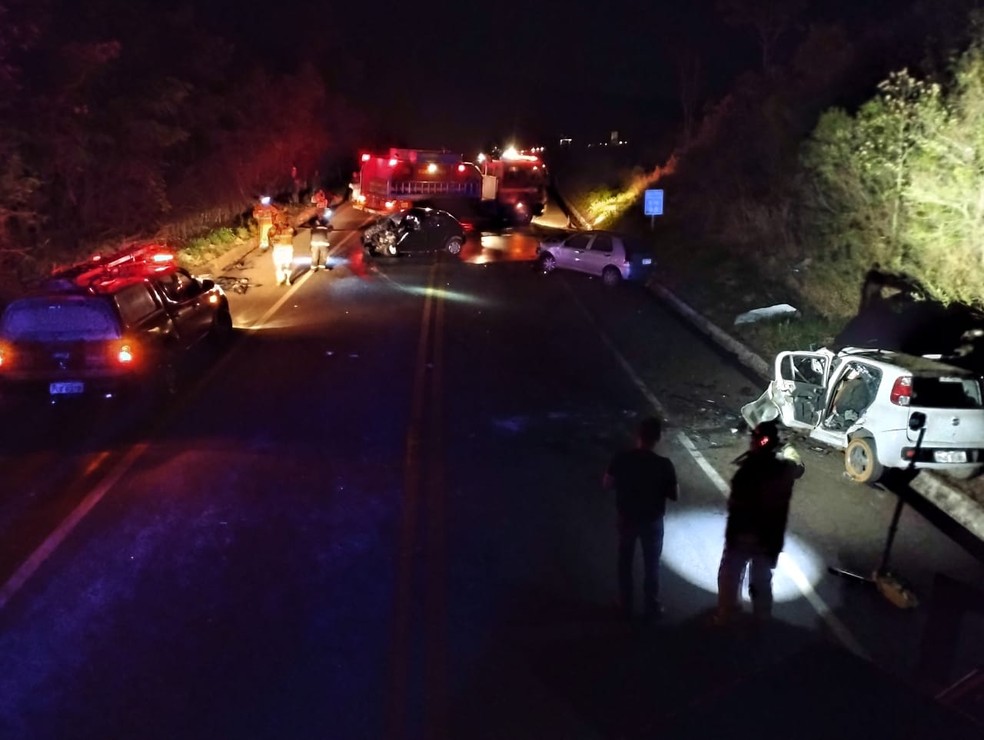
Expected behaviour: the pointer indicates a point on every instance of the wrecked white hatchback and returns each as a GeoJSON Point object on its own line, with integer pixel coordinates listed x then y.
{"type": "Point", "coordinates": [861, 401]}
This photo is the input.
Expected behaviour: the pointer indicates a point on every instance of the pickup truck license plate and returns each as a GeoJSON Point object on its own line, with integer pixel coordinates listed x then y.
{"type": "Point", "coordinates": [950, 456]}
{"type": "Point", "coordinates": [66, 389]}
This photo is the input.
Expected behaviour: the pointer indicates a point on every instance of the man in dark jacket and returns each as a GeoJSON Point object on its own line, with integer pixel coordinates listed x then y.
{"type": "Point", "coordinates": [643, 481]}
{"type": "Point", "coordinates": [757, 512]}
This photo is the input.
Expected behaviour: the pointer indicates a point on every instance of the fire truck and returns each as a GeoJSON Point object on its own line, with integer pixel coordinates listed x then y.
{"type": "Point", "coordinates": [398, 179]}
{"type": "Point", "coordinates": [517, 180]}
{"type": "Point", "coordinates": [404, 177]}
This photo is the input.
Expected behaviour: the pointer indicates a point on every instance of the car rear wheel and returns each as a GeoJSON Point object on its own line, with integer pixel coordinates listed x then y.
{"type": "Point", "coordinates": [548, 263]}
{"type": "Point", "coordinates": [166, 384]}
{"type": "Point", "coordinates": [861, 460]}
{"type": "Point", "coordinates": [221, 331]}
{"type": "Point", "coordinates": [454, 245]}
{"type": "Point", "coordinates": [611, 277]}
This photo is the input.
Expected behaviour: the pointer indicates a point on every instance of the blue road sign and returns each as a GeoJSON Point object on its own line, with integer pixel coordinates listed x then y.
{"type": "Point", "coordinates": [653, 203]}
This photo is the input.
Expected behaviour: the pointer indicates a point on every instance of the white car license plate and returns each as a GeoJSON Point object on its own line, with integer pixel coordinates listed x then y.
{"type": "Point", "coordinates": [647, 261]}
{"type": "Point", "coordinates": [66, 389]}
{"type": "Point", "coordinates": [950, 456]}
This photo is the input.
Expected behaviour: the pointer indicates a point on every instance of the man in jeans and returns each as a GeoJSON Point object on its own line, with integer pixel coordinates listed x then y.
{"type": "Point", "coordinates": [643, 481]}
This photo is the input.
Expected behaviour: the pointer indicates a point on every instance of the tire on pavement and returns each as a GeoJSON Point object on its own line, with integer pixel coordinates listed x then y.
{"type": "Point", "coordinates": [611, 277]}
{"type": "Point", "coordinates": [861, 460]}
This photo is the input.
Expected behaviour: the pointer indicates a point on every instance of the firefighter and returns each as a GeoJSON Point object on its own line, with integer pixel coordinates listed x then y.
{"type": "Point", "coordinates": [264, 212]}
{"type": "Point", "coordinates": [758, 509]}
{"type": "Point", "coordinates": [282, 240]}
{"type": "Point", "coordinates": [320, 200]}
{"type": "Point", "coordinates": [319, 244]}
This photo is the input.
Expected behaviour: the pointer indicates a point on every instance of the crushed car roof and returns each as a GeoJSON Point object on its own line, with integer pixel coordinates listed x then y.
{"type": "Point", "coordinates": [913, 363]}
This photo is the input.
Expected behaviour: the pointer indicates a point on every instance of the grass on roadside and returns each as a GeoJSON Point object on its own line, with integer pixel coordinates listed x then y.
{"type": "Point", "coordinates": [202, 249]}
{"type": "Point", "coordinates": [769, 338]}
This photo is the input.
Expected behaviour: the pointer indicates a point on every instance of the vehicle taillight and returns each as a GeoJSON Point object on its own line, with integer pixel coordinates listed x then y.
{"type": "Point", "coordinates": [461, 168]}
{"type": "Point", "coordinates": [366, 157]}
{"type": "Point", "coordinates": [902, 391]}
{"type": "Point", "coordinates": [125, 354]}
{"type": "Point", "coordinates": [4, 357]}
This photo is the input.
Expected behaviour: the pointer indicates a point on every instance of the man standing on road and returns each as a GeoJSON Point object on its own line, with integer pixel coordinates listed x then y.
{"type": "Point", "coordinates": [643, 481]}
{"type": "Point", "coordinates": [758, 508]}
{"type": "Point", "coordinates": [319, 245]}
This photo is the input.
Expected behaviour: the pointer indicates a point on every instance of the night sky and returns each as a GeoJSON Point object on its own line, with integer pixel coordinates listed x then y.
{"type": "Point", "coordinates": [458, 74]}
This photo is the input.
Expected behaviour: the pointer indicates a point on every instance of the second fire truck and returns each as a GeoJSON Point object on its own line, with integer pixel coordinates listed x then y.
{"type": "Point", "coordinates": [402, 177]}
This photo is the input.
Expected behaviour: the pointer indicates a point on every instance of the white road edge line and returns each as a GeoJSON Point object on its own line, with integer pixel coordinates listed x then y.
{"type": "Point", "coordinates": [51, 543]}
{"type": "Point", "coordinates": [786, 563]}
{"type": "Point", "coordinates": [54, 540]}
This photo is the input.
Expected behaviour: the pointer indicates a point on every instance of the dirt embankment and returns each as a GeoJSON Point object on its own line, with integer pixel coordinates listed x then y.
{"type": "Point", "coordinates": [718, 284]}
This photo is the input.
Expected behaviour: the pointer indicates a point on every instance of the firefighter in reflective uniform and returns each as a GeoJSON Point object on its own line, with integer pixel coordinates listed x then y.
{"type": "Point", "coordinates": [282, 240]}
{"type": "Point", "coordinates": [265, 213]}
{"type": "Point", "coordinates": [319, 245]}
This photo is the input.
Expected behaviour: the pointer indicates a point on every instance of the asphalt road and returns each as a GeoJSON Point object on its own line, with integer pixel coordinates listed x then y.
{"type": "Point", "coordinates": [379, 515]}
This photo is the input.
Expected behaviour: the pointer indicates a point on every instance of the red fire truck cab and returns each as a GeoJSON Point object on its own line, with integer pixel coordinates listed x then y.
{"type": "Point", "coordinates": [518, 181]}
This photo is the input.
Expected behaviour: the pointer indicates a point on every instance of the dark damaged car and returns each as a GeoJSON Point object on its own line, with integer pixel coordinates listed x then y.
{"type": "Point", "coordinates": [414, 231]}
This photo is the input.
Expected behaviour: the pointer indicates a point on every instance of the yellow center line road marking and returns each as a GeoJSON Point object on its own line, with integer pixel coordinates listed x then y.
{"type": "Point", "coordinates": [436, 672]}
{"type": "Point", "coordinates": [400, 654]}
{"type": "Point", "coordinates": [424, 516]}
{"type": "Point", "coordinates": [786, 564]}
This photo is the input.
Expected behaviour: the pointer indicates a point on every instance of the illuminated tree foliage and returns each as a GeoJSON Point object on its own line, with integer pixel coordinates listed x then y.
{"type": "Point", "coordinates": [946, 191]}
{"type": "Point", "coordinates": [901, 183]}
